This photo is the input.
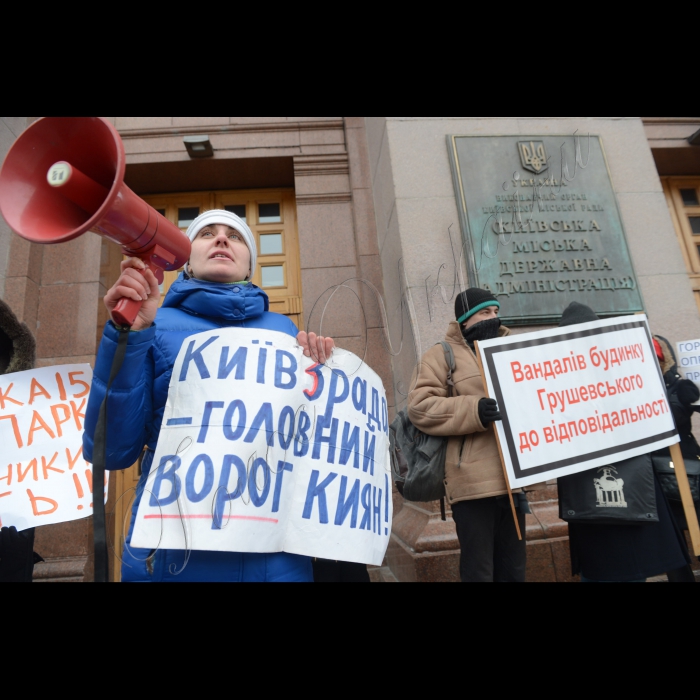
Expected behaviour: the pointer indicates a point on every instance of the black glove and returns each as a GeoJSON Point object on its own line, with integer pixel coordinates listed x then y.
{"type": "Point", "coordinates": [15, 552]}
{"type": "Point", "coordinates": [489, 412]}
{"type": "Point", "coordinates": [687, 392]}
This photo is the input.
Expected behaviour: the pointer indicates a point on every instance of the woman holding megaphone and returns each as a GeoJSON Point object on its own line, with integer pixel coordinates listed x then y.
{"type": "Point", "coordinates": [213, 292]}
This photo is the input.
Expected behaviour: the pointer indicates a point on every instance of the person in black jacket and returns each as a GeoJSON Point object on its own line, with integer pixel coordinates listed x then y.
{"type": "Point", "coordinates": [624, 553]}
{"type": "Point", "coordinates": [682, 395]}
{"type": "Point", "coordinates": [17, 556]}
{"type": "Point", "coordinates": [17, 354]}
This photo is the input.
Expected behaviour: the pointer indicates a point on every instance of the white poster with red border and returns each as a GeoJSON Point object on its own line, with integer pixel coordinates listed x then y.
{"type": "Point", "coordinates": [578, 398]}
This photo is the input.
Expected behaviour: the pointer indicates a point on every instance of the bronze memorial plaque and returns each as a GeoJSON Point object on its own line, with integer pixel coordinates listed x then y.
{"type": "Point", "coordinates": [541, 225]}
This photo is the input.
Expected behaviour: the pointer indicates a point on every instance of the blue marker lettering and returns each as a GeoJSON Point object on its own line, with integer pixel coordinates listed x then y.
{"type": "Point", "coordinates": [318, 491]}
{"type": "Point", "coordinates": [196, 355]}
{"type": "Point", "coordinates": [281, 370]}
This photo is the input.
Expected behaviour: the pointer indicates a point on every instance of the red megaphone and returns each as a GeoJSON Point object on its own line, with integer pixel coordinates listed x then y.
{"type": "Point", "coordinates": [64, 176]}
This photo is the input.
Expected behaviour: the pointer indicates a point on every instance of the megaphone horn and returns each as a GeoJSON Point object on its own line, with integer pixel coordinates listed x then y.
{"type": "Point", "coordinates": [64, 176]}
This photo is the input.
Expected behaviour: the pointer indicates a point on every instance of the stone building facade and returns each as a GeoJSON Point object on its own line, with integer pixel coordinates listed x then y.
{"type": "Point", "coordinates": [377, 231]}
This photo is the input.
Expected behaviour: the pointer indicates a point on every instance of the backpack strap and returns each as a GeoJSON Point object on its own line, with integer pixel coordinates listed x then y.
{"type": "Point", "coordinates": [451, 367]}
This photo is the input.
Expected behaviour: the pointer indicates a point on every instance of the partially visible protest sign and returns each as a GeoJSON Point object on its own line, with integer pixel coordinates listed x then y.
{"type": "Point", "coordinates": [43, 477]}
{"type": "Point", "coordinates": [689, 361]}
{"type": "Point", "coordinates": [578, 398]}
{"type": "Point", "coordinates": [262, 450]}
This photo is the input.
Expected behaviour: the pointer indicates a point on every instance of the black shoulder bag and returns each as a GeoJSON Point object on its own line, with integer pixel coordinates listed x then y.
{"type": "Point", "coordinates": [622, 493]}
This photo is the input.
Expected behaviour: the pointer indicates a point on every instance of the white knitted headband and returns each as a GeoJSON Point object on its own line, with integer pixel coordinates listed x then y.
{"type": "Point", "coordinates": [226, 218]}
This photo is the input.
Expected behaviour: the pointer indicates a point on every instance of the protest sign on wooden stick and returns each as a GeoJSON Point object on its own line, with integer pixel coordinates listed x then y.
{"type": "Point", "coordinates": [576, 399]}
{"type": "Point", "coordinates": [498, 442]}
{"type": "Point", "coordinates": [691, 514]}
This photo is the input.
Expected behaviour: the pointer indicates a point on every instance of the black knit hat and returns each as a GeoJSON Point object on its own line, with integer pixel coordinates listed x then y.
{"type": "Point", "coordinates": [577, 314]}
{"type": "Point", "coordinates": [472, 301]}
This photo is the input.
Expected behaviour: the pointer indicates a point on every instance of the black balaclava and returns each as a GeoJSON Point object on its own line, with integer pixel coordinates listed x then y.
{"type": "Point", "coordinates": [486, 330]}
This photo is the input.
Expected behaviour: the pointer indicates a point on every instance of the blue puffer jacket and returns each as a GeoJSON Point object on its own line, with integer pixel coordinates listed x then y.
{"type": "Point", "coordinates": [136, 406]}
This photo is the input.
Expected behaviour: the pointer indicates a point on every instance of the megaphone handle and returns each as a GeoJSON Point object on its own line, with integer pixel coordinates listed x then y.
{"type": "Point", "coordinates": [126, 312]}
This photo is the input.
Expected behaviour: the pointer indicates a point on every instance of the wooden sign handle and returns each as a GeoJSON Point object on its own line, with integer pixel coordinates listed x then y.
{"type": "Point", "coordinates": [691, 515]}
{"type": "Point", "coordinates": [500, 449]}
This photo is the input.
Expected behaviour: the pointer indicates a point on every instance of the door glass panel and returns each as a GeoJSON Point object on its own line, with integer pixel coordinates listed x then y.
{"type": "Point", "coordinates": [238, 210]}
{"type": "Point", "coordinates": [270, 213]}
{"type": "Point", "coordinates": [273, 276]}
{"type": "Point", "coordinates": [695, 224]}
{"type": "Point", "coordinates": [271, 244]}
{"type": "Point", "coordinates": [186, 216]}
{"type": "Point", "coordinates": [690, 198]}
{"type": "Point", "coordinates": [161, 211]}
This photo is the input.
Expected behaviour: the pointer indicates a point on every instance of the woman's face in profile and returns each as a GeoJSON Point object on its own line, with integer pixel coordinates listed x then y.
{"type": "Point", "coordinates": [220, 254]}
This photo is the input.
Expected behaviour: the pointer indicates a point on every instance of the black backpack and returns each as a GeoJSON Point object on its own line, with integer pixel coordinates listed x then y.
{"type": "Point", "coordinates": [417, 459]}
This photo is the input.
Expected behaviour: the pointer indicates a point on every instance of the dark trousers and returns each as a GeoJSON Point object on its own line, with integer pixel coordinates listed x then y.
{"type": "Point", "coordinates": [326, 571]}
{"type": "Point", "coordinates": [685, 575]}
{"type": "Point", "coordinates": [17, 566]}
{"type": "Point", "coordinates": [491, 551]}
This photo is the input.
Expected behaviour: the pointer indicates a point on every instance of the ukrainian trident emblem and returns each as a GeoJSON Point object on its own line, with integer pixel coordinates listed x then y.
{"type": "Point", "coordinates": [533, 156]}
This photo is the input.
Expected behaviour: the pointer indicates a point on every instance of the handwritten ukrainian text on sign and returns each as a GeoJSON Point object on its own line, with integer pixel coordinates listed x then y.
{"type": "Point", "coordinates": [263, 450]}
{"type": "Point", "coordinates": [578, 398]}
{"type": "Point", "coordinates": [43, 477]}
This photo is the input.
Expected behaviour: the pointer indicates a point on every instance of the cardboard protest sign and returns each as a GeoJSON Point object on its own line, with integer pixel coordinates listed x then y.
{"type": "Point", "coordinates": [43, 477]}
{"type": "Point", "coordinates": [577, 398]}
{"type": "Point", "coordinates": [262, 450]}
{"type": "Point", "coordinates": [689, 361]}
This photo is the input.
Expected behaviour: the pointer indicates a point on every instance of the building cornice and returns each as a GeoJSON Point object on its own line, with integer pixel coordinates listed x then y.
{"type": "Point", "coordinates": [325, 164]}
{"type": "Point", "coordinates": [265, 127]}
{"type": "Point", "coordinates": [671, 120]}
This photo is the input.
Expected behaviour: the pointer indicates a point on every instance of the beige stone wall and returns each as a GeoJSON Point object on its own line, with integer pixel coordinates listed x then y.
{"type": "Point", "coordinates": [416, 205]}
{"type": "Point", "coordinates": [670, 132]}
{"type": "Point", "coordinates": [669, 138]}
{"type": "Point", "coordinates": [9, 128]}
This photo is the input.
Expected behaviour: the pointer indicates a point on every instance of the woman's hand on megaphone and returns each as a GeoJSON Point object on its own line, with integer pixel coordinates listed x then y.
{"type": "Point", "coordinates": [136, 282]}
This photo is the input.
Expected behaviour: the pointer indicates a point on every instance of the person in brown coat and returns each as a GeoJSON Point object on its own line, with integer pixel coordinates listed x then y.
{"type": "Point", "coordinates": [474, 480]}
